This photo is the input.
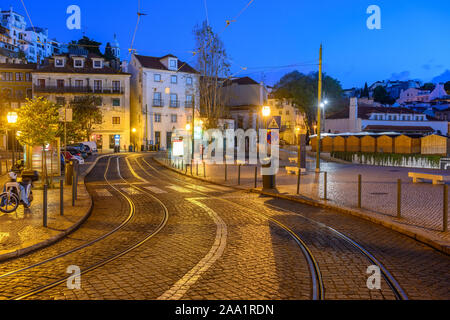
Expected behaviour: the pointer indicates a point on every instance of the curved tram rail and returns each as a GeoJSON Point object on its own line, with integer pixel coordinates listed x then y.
{"type": "Point", "coordinates": [111, 258]}
{"type": "Point", "coordinates": [398, 291]}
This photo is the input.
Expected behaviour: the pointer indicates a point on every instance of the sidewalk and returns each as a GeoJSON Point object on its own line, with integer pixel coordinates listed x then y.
{"type": "Point", "coordinates": [422, 203]}
{"type": "Point", "coordinates": [22, 232]}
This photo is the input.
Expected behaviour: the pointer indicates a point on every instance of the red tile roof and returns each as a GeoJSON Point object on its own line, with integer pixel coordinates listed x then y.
{"type": "Point", "coordinates": [155, 63]}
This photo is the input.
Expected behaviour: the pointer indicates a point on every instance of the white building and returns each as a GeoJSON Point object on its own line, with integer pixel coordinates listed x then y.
{"type": "Point", "coordinates": [414, 95]}
{"type": "Point", "coordinates": [67, 77]}
{"type": "Point", "coordinates": [164, 92]}
{"type": "Point", "coordinates": [382, 119]}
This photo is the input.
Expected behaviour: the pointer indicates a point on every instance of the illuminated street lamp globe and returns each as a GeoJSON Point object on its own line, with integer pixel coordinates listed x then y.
{"type": "Point", "coordinates": [133, 130]}
{"type": "Point", "coordinates": [266, 111]}
{"type": "Point", "coordinates": [188, 127]}
{"type": "Point", "coordinates": [12, 117]}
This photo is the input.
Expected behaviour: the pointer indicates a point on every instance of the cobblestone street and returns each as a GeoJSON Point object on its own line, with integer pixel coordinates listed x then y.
{"type": "Point", "coordinates": [156, 234]}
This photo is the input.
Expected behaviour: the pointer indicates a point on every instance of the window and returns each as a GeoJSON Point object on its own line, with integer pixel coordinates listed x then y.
{"type": "Point", "coordinates": [7, 76]}
{"type": "Point", "coordinates": [173, 100]}
{"type": "Point", "coordinates": [78, 63]}
{"type": "Point", "coordinates": [116, 86]}
{"type": "Point", "coordinates": [19, 76]}
{"type": "Point", "coordinates": [172, 64]}
{"type": "Point", "coordinates": [19, 94]}
{"type": "Point", "coordinates": [189, 101]}
{"type": "Point", "coordinates": [173, 118]}
{"type": "Point", "coordinates": [157, 102]}
{"type": "Point", "coordinates": [97, 64]}
{"type": "Point", "coordinates": [189, 81]}
{"type": "Point", "coordinates": [60, 83]}
{"type": "Point", "coordinates": [78, 83]}
{"type": "Point", "coordinates": [157, 117]}
{"type": "Point", "coordinates": [97, 85]}
{"type": "Point", "coordinates": [157, 77]}
{"type": "Point", "coordinates": [189, 119]}
{"type": "Point", "coordinates": [287, 112]}
{"type": "Point", "coordinates": [28, 77]}
{"type": "Point", "coordinates": [41, 83]}
{"type": "Point", "coordinates": [116, 102]}
{"type": "Point", "coordinates": [173, 79]}
{"type": "Point", "coordinates": [389, 117]}
{"type": "Point", "coordinates": [60, 101]}
{"type": "Point", "coordinates": [116, 120]}
{"type": "Point", "coordinates": [59, 63]}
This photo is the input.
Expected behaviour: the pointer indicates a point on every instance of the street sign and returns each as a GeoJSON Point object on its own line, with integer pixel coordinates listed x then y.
{"type": "Point", "coordinates": [65, 115]}
{"type": "Point", "coordinates": [275, 123]}
{"type": "Point", "coordinates": [177, 148]}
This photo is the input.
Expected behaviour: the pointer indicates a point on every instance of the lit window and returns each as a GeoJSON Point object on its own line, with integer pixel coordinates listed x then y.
{"type": "Point", "coordinates": [116, 120]}
{"type": "Point", "coordinates": [59, 62]}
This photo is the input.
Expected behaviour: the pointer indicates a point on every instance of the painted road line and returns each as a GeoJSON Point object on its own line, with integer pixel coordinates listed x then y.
{"type": "Point", "coordinates": [180, 288]}
{"type": "Point", "coordinates": [130, 191]}
{"type": "Point", "coordinates": [199, 188]}
{"type": "Point", "coordinates": [103, 193]}
{"type": "Point", "coordinates": [220, 188]}
{"type": "Point", "coordinates": [179, 189]}
{"type": "Point", "coordinates": [155, 190]}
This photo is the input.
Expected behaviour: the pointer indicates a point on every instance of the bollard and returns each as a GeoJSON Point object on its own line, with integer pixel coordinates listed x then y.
{"type": "Point", "coordinates": [239, 175]}
{"type": "Point", "coordinates": [196, 167]}
{"type": "Point", "coordinates": [445, 222]}
{"type": "Point", "coordinates": [399, 198]}
{"type": "Point", "coordinates": [325, 185]}
{"type": "Point", "coordinates": [44, 216]}
{"type": "Point", "coordinates": [298, 180]}
{"type": "Point", "coordinates": [204, 169]}
{"type": "Point", "coordinates": [61, 197]}
{"type": "Point", "coordinates": [191, 166]}
{"type": "Point", "coordinates": [182, 164]}
{"type": "Point", "coordinates": [256, 176]}
{"type": "Point", "coordinates": [225, 171]}
{"type": "Point", "coordinates": [359, 190]}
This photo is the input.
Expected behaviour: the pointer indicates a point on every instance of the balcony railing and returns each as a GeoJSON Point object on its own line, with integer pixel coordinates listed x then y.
{"type": "Point", "coordinates": [73, 89]}
{"type": "Point", "coordinates": [174, 104]}
{"type": "Point", "coordinates": [188, 104]}
{"type": "Point", "coordinates": [158, 103]}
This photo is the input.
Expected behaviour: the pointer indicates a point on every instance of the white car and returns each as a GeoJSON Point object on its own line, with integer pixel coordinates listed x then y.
{"type": "Point", "coordinates": [92, 145]}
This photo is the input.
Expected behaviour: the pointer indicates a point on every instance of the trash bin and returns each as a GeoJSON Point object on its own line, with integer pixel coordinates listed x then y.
{"type": "Point", "coordinates": [268, 180]}
{"type": "Point", "coordinates": [69, 173]}
{"type": "Point", "coordinates": [130, 148]}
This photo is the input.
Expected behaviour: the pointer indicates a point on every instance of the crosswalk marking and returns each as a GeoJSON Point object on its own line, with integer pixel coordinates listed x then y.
{"type": "Point", "coordinates": [179, 189]}
{"type": "Point", "coordinates": [130, 191]}
{"type": "Point", "coordinates": [103, 193]}
{"type": "Point", "coordinates": [155, 190]}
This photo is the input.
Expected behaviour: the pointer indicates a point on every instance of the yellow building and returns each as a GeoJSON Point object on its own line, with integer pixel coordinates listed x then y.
{"type": "Point", "coordinates": [291, 117]}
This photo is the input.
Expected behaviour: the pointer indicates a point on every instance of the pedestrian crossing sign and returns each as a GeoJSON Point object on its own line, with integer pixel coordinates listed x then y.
{"type": "Point", "coordinates": [274, 124]}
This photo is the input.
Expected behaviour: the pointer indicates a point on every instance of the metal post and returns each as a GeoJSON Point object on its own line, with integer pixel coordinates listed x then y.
{"type": "Point", "coordinates": [325, 185]}
{"type": "Point", "coordinates": [44, 216]}
{"type": "Point", "coordinates": [73, 190]}
{"type": "Point", "coordinates": [225, 171]}
{"type": "Point", "coordinates": [318, 112]}
{"type": "Point", "coordinates": [239, 174]}
{"type": "Point", "coordinates": [445, 222]}
{"type": "Point", "coordinates": [399, 198]}
{"type": "Point", "coordinates": [191, 165]}
{"type": "Point", "coordinates": [61, 197]}
{"type": "Point", "coordinates": [204, 169]}
{"type": "Point", "coordinates": [298, 180]}
{"type": "Point", "coordinates": [196, 167]}
{"type": "Point", "coordinates": [359, 190]}
{"type": "Point", "coordinates": [256, 176]}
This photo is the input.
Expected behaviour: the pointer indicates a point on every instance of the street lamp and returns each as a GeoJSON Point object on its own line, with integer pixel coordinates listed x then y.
{"type": "Point", "coordinates": [134, 138]}
{"type": "Point", "coordinates": [12, 120]}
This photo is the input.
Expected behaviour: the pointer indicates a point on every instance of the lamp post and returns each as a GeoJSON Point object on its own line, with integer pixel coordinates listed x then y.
{"type": "Point", "coordinates": [318, 111]}
{"type": "Point", "coordinates": [133, 134]}
{"type": "Point", "coordinates": [266, 114]}
{"type": "Point", "coordinates": [12, 120]}
{"type": "Point", "coordinates": [323, 105]}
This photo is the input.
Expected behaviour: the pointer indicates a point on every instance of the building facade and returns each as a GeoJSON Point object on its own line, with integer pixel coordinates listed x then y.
{"type": "Point", "coordinates": [359, 118]}
{"type": "Point", "coordinates": [291, 118]}
{"type": "Point", "coordinates": [67, 77]}
{"type": "Point", "coordinates": [164, 97]}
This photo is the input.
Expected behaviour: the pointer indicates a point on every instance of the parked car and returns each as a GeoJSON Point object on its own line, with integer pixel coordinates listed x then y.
{"type": "Point", "coordinates": [68, 156]}
{"type": "Point", "coordinates": [88, 150]}
{"type": "Point", "coordinates": [92, 145]}
{"type": "Point", "coordinates": [80, 150]}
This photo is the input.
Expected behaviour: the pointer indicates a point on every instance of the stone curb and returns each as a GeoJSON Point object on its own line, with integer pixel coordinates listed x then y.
{"type": "Point", "coordinates": [23, 251]}
{"type": "Point", "coordinates": [411, 231]}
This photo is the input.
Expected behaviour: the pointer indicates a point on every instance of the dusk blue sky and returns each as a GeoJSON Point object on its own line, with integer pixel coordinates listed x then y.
{"type": "Point", "coordinates": [414, 41]}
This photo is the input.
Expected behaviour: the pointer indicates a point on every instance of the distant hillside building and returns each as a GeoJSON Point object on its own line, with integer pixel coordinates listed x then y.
{"type": "Point", "coordinates": [358, 118]}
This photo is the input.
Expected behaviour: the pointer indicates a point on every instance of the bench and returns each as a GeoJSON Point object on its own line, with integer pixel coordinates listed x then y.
{"type": "Point", "coordinates": [293, 160]}
{"type": "Point", "coordinates": [433, 177]}
{"type": "Point", "coordinates": [294, 170]}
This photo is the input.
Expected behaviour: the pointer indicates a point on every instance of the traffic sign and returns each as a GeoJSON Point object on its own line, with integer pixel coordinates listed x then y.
{"type": "Point", "coordinates": [65, 115]}
{"type": "Point", "coordinates": [275, 123]}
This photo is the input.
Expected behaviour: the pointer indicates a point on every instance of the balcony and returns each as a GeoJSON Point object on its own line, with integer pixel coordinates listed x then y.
{"type": "Point", "coordinates": [174, 104]}
{"type": "Point", "coordinates": [67, 89]}
{"type": "Point", "coordinates": [158, 103]}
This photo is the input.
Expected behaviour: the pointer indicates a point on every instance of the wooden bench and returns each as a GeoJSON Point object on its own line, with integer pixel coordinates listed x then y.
{"type": "Point", "coordinates": [294, 170]}
{"type": "Point", "coordinates": [433, 177]}
{"type": "Point", "coordinates": [293, 160]}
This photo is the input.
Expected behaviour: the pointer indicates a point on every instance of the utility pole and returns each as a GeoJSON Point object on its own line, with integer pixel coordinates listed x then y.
{"type": "Point", "coordinates": [319, 112]}
{"type": "Point", "coordinates": [193, 129]}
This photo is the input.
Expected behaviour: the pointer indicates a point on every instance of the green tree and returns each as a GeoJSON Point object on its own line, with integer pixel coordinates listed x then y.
{"type": "Point", "coordinates": [302, 90]}
{"type": "Point", "coordinates": [381, 95]}
{"type": "Point", "coordinates": [365, 92]}
{"type": "Point", "coordinates": [90, 45]}
{"type": "Point", "coordinates": [86, 113]}
{"type": "Point", "coordinates": [447, 87]}
{"type": "Point", "coordinates": [428, 86]}
{"type": "Point", "coordinates": [38, 123]}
